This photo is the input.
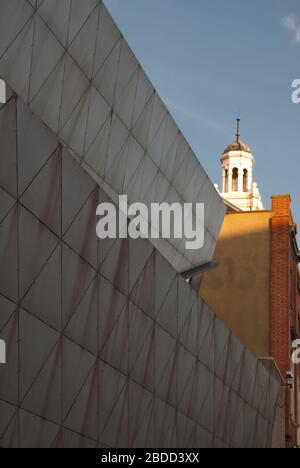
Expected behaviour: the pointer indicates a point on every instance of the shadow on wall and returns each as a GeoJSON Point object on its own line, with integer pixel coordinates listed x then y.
{"type": "Point", "coordinates": [238, 289]}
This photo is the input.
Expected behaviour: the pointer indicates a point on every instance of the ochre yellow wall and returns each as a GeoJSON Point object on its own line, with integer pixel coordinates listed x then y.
{"type": "Point", "coordinates": [238, 289]}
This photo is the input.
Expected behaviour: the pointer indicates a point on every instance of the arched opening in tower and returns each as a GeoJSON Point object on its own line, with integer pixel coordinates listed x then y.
{"type": "Point", "coordinates": [245, 180]}
{"type": "Point", "coordinates": [235, 180]}
{"type": "Point", "coordinates": [226, 181]}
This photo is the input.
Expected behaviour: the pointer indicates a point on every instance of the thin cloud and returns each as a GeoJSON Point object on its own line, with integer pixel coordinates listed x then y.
{"type": "Point", "coordinates": [196, 117]}
{"type": "Point", "coordinates": [290, 22]}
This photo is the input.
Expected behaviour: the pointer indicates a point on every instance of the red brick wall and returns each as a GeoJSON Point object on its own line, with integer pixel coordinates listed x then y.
{"type": "Point", "coordinates": [284, 298]}
{"type": "Point", "coordinates": [280, 282]}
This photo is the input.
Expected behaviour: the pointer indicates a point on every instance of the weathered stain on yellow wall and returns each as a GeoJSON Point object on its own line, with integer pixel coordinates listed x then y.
{"type": "Point", "coordinates": [238, 290]}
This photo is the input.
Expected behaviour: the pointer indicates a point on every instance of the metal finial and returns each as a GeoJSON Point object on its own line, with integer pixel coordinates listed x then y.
{"type": "Point", "coordinates": [238, 133]}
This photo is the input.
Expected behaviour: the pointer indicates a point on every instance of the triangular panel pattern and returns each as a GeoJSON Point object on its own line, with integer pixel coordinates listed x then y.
{"type": "Point", "coordinates": [91, 91]}
{"type": "Point", "coordinates": [107, 345]}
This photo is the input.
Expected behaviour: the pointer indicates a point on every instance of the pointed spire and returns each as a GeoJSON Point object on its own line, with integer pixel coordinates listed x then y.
{"type": "Point", "coordinates": [238, 133]}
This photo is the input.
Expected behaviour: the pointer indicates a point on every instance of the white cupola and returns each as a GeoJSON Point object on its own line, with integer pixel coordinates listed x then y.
{"type": "Point", "coordinates": [238, 187]}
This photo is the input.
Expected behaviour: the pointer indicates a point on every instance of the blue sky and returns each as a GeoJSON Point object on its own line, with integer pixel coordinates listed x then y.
{"type": "Point", "coordinates": [211, 60]}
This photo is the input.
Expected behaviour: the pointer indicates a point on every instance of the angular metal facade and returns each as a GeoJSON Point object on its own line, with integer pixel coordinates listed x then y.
{"type": "Point", "coordinates": [107, 344]}
{"type": "Point", "coordinates": [69, 62]}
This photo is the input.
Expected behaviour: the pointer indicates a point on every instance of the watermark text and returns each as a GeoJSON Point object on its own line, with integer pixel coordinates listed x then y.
{"type": "Point", "coordinates": [2, 352]}
{"type": "Point", "coordinates": [2, 92]}
{"type": "Point", "coordinates": [296, 353]}
{"type": "Point", "coordinates": [162, 220]}
{"type": "Point", "coordinates": [296, 92]}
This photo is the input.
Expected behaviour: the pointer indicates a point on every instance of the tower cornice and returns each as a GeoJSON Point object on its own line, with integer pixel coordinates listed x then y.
{"type": "Point", "coordinates": [238, 154]}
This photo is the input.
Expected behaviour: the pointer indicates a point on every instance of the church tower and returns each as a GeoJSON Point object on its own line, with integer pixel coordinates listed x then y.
{"type": "Point", "coordinates": [238, 187]}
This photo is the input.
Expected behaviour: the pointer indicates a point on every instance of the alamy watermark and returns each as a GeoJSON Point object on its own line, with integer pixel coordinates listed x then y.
{"type": "Point", "coordinates": [296, 352]}
{"type": "Point", "coordinates": [161, 221]}
{"type": "Point", "coordinates": [296, 91]}
{"type": "Point", "coordinates": [2, 352]}
{"type": "Point", "coordinates": [2, 92]}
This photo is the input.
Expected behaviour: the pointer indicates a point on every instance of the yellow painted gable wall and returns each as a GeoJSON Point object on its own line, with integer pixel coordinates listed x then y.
{"type": "Point", "coordinates": [238, 290]}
